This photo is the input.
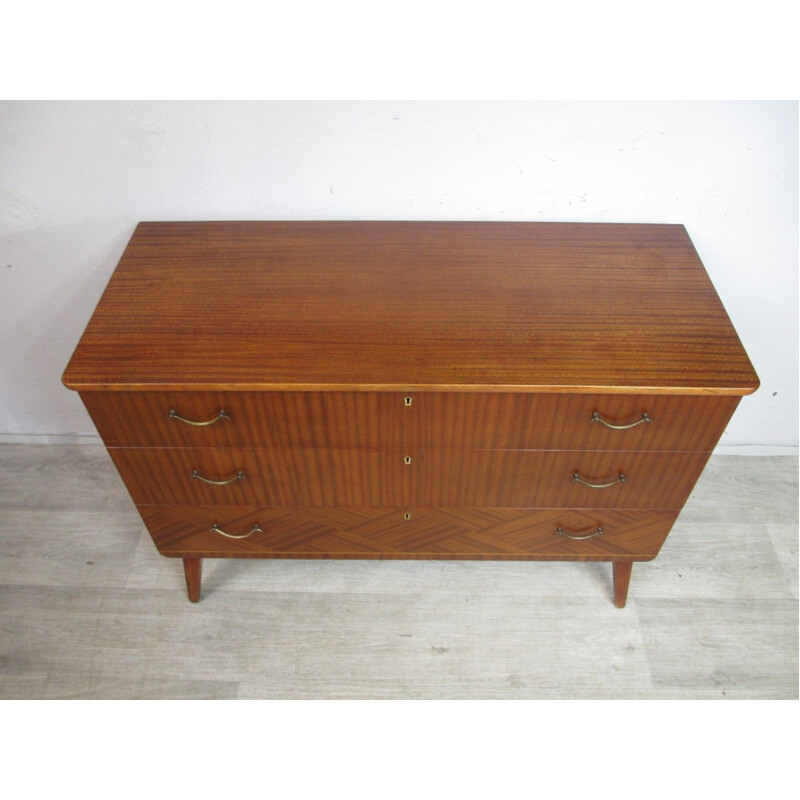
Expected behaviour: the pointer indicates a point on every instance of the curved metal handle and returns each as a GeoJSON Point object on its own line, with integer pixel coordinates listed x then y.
{"type": "Point", "coordinates": [597, 418]}
{"type": "Point", "coordinates": [223, 414]}
{"type": "Point", "coordinates": [216, 529]}
{"type": "Point", "coordinates": [576, 478]}
{"type": "Point", "coordinates": [239, 476]}
{"type": "Point", "coordinates": [561, 532]}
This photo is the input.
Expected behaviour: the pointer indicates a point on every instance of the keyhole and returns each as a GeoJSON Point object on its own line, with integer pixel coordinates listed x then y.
{"type": "Point", "coordinates": [407, 459]}
{"type": "Point", "coordinates": [406, 515]}
{"type": "Point", "coordinates": [407, 401]}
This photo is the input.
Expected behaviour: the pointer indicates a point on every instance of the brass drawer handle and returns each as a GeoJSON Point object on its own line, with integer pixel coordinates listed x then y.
{"type": "Point", "coordinates": [216, 529]}
{"type": "Point", "coordinates": [597, 418]}
{"type": "Point", "coordinates": [561, 532]}
{"type": "Point", "coordinates": [239, 476]}
{"type": "Point", "coordinates": [223, 414]}
{"type": "Point", "coordinates": [576, 478]}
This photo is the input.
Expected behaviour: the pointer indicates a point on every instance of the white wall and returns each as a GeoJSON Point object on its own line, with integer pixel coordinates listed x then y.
{"type": "Point", "coordinates": [75, 177]}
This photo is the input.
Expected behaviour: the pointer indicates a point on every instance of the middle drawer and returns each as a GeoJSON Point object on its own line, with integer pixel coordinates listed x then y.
{"type": "Point", "coordinates": [360, 477]}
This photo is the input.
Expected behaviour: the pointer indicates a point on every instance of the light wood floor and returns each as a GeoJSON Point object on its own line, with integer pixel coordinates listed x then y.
{"type": "Point", "coordinates": [88, 609]}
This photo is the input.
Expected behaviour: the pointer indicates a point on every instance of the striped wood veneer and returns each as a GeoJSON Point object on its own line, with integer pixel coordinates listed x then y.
{"type": "Point", "coordinates": [317, 476]}
{"type": "Point", "coordinates": [466, 420]}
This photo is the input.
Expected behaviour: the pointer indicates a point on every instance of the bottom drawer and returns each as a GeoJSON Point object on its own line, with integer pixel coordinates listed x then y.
{"type": "Point", "coordinates": [490, 533]}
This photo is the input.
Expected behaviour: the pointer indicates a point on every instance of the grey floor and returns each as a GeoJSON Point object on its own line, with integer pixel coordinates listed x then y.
{"type": "Point", "coordinates": [88, 609]}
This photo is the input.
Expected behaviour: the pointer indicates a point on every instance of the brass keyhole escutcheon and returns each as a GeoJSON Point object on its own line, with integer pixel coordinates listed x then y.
{"type": "Point", "coordinates": [406, 515]}
{"type": "Point", "coordinates": [407, 401]}
{"type": "Point", "coordinates": [407, 460]}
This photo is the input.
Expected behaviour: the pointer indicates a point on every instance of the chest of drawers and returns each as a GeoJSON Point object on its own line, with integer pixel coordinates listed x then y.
{"type": "Point", "coordinates": [540, 391]}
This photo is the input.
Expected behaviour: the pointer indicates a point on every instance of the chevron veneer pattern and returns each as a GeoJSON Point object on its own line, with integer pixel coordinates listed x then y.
{"type": "Point", "coordinates": [363, 532]}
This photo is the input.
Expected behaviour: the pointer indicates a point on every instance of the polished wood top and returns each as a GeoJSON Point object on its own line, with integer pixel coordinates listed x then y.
{"type": "Point", "coordinates": [454, 306]}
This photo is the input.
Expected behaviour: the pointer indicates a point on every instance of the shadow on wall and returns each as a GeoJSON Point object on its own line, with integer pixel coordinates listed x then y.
{"type": "Point", "coordinates": [55, 278]}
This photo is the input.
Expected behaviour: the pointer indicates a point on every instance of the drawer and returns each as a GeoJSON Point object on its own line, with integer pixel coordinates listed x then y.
{"type": "Point", "coordinates": [357, 477]}
{"type": "Point", "coordinates": [283, 476]}
{"type": "Point", "coordinates": [432, 420]}
{"type": "Point", "coordinates": [555, 479]}
{"type": "Point", "coordinates": [352, 532]}
{"type": "Point", "coordinates": [252, 419]}
{"type": "Point", "coordinates": [569, 421]}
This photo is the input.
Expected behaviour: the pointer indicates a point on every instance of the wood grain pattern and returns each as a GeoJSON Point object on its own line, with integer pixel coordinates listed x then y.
{"type": "Point", "coordinates": [478, 533]}
{"type": "Point", "coordinates": [433, 420]}
{"type": "Point", "coordinates": [193, 570]}
{"type": "Point", "coordinates": [541, 307]}
{"type": "Point", "coordinates": [563, 422]}
{"type": "Point", "coordinates": [263, 419]}
{"type": "Point", "coordinates": [353, 477]}
{"type": "Point", "coordinates": [505, 337]}
{"type": "Point", "coordinates": [540, 478]}
{"type": "Point", "coordinates": [622, 579]}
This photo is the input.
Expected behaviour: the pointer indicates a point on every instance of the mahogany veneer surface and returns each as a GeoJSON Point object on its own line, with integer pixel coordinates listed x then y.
{"type": "Point", "coordinates": [322, 477]}
{"type": "Point", "coordinates": [410, 389]}
{"type": "Point", "coordinates": [362, 532]}
{"type": "Point", "coordinates": [463, 420]}
{"type": "Point", "coordinates": [514, 306]}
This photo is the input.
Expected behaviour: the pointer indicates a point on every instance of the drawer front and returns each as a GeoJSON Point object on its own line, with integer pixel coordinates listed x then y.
{"type": "Point", "coordinates": [569, 421]}
{"type": "Point", "coordinates": [406, 532]}
{"type": "Point", "coordinates": [252, 419]}
{"type": "Point", "coordinates": [432, 420]}
{"type": "Point", "coordinates": [353, 477]}
{"type": "Point", "coordinates": [283, 476]}
{"type": "Point", "coordinates": [559, 479]}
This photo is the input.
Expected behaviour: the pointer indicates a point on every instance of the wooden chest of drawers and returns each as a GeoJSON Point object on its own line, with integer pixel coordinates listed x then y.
{"type": "Point", "coordinates": [410, 390]}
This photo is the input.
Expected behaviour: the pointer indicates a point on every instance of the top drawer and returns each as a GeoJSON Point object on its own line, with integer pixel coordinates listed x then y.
{"type": "Point", "coordinates": [422, 420]}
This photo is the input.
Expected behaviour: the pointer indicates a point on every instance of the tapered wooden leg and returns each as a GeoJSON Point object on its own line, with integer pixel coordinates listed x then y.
{"type": "Point", "coordinates": [622, 577]}
{"type": "Point", "coordinates": [193, 567]}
